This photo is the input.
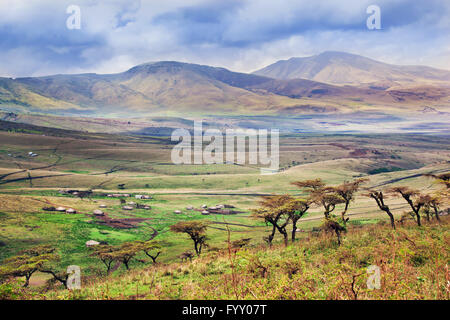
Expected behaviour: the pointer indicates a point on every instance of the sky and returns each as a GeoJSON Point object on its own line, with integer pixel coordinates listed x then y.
{"type": "Point", "coordinates": [241, 35]}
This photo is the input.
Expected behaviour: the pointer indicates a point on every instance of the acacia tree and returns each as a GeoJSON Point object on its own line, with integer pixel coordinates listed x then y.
{"type": "Point", "coordinates": [442, 178]}
{"type": "Point", "coordinates": [126, 252]}
{"type": "Point", "coordinates": [321, 194]}
{"type": "Point", "coordinates": [196, 230]}
{"type": "Point", "coordinates": [432, 202]}
{"type": "Point", "coordinates": [295, 209]}
{"type": "Point", "coordinates": [106, 255]}
{"type": "Point", "coordinates": [151, 249]}
{"type": "Point", "coordinates": [272, 212]}
{"type": "Point", "coordinates": [379, 197]}
{"type": "Point", "coordinates": [413, 197]}
{"type": "Point", "coordinates": [27, 262]}
{"type": "Point", "coordinates": [331, 225]}
{"type": "Point", "coordinates": [347, 191]}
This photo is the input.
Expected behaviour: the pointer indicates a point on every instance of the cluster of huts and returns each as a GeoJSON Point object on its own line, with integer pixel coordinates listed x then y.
{"type": "Point", "coordinates": [205, 210]}
{"type": "Point", "coordinates": [60, 209]}
{"type": "Point", "coordinates": [127, 195]}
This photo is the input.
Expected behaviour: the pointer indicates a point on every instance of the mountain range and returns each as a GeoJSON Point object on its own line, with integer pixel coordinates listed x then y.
{"type": "Point", "coordinates": [329, 82]}
{"type": "Point", "coordinates": [343, 68]}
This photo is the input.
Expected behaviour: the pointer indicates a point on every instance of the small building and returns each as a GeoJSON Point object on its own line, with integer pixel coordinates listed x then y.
{"type": "Point", "coordinates": [103, 206]}
{"type": "Point", "coordinates": [98, 212]}
{"type": "Point", "coordinates": [127, 208]}
{"type": "Point", "coordinates": [60, 209]}
{"type": "Point", "coordinates": [92, 243]}
{"type": "Point", "coordinates": [177, 212]}
{"type": "Point", "coordinates": [71, 211]}
{"type": "Point", "coordinates": [205, 212]}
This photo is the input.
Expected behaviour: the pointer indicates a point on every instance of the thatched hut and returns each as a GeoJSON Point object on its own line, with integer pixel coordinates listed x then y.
{"type": "Point", "coordinates": [97, 212]}
{"type": "Point", "coordinates": [92, 243]}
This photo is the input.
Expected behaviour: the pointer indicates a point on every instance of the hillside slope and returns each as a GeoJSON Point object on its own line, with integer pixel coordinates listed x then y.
{"type": "Point", "coordinates": [344, 68]}
{"type": "Point", "coordinates": [412, 264]}
{"type": "Point", "coordinates": [175, 88]}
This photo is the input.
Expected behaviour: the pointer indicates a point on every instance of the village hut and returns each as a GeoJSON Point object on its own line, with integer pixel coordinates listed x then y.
{"type": "Point", "coordinates": [92, 243]}
{"type": "Point", "coordinates": [177, 212]}
{"type": "Point", "coordinates": [60, 209]}
{"type": "Point", "coordinates": [103, 206]}
{"type": "Point", "coordinates": [205, 212]}
{"type": "Point", "coordinates": [189, 208]}
{"type": "Point", "coordinates": [127, 208]}
{"type": "Point", "coordinates": [98, 212]}
{"type": "Point", "coordinates": [71, 211]}
{"type": "Point", "coordinates": [204, 206]}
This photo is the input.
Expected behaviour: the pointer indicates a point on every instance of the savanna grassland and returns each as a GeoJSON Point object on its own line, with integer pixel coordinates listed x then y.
{"type": "Point", "coordinates": [413, 260]}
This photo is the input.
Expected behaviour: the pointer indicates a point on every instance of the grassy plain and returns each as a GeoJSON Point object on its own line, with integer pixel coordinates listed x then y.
{"type": "Point", "coordinates": [104, 162]}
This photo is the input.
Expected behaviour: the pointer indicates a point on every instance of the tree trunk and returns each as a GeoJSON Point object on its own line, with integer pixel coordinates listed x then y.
{"type": "Point", "coordinates": [418, 219]}
{"type": "Point", "coordinates": [338, 235]}
{"type": "Point", "coordinates": [294, 230]}
{"type": "Point", "coordinates": [344, 212]}
{"type": "Point", "coordinates": [196, 247]}
{"type": "Point", "coordinates": [27, 280]}
{"type": "Point", "coordinates": [391, 217]}
{"type": "Point", "coordinates": [271, 236]}
{"type": "Point", "coordinates": [286, 240]}
{"type": "Point", "coordinates": [436, 213]}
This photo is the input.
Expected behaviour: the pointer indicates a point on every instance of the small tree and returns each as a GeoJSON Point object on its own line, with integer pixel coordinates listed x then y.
{"type": "Point", "coordinates": [432, 202]}
{"type": "Point", "coordinates": [330, 224]}
{"type": "Point", "coordinates": [126, 252]}
{"type": "Point", "coordinates": [310, 185]}
{"type": "Point", "coordinates": [443, 178]}
{"type": "Point", "coordinates": [106, 255]}
{"type": "Point", "coordinates": [273, 213]}
{"type": "Point", "coordinates": [347, 191]}
{"type": "Point", "coordinates": [195, 229]}
{"type": "Point", "coordinates": [413, 198]}
{"type": "Point", "coordinates": [27, 262]}
{"type": "Point", "coordinates": [379, 197]}
{"type": "Point", "coordinates": [321, 194]}
{"type": "Point", "coordinates": [295, 209]}
{"type": "Point", "coordinates": [151, 249]}
{"type": "Point", "coordinates": [237, 244]}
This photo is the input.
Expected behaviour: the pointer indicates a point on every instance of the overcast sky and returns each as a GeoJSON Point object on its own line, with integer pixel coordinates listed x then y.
{"type": "Point", "coordinates": [241, 35]}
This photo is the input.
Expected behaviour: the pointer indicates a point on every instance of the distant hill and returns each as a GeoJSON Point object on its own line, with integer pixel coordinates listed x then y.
{"type": "Point", "coordinates": [175, 88]}
{"type": "Point", "coordinates": [345, 68]}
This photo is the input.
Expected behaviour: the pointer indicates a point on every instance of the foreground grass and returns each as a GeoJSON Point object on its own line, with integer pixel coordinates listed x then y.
{"type": "Point", "coordinates": [413, 262]}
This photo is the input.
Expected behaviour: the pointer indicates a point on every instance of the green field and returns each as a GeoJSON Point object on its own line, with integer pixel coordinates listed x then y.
{"type": "Point", "coordinates": [111, 163]}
